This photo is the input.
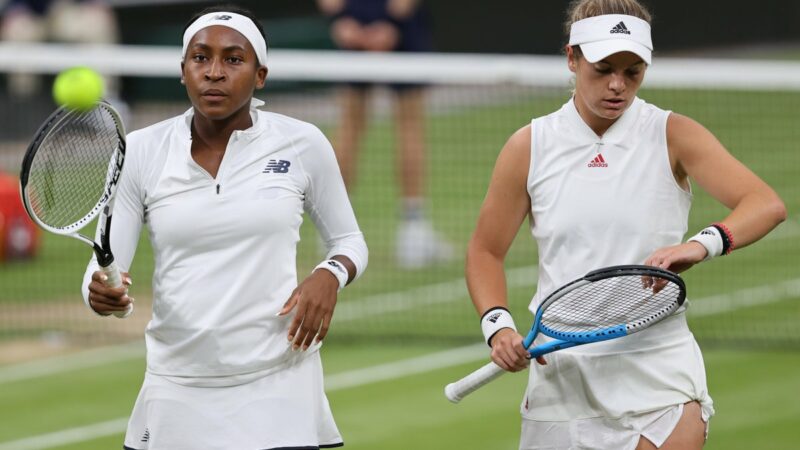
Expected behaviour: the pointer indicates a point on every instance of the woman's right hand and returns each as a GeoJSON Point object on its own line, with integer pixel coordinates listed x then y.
{"type": "Point", "coordinates": [509, 353]}
{"type": "Point", "coordinates": [106, 300]}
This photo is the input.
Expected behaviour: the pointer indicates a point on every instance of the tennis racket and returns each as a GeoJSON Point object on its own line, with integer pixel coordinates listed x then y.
{"type": "Point", "coordinates": [69, 175]}
{"type": "Point", "coordinates": [604, 304]}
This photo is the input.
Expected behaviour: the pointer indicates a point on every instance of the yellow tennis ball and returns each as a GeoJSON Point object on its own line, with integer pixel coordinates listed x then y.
{"type": "Point", "coordinates": [78, 88]}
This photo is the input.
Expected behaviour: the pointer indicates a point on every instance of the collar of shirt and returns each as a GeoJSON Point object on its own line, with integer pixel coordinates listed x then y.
{"type": "Point", "coordinates": [185, 125]}
{"type": "Point", "coordinates": [618, 130]}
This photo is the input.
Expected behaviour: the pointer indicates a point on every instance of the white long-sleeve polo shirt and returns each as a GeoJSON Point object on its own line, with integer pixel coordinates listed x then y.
{"type": "Point", "coordinates": [225, 247]}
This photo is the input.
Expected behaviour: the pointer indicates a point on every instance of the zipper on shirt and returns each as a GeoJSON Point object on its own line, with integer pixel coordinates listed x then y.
{"type": "Point", "coordinates": [217, 189]}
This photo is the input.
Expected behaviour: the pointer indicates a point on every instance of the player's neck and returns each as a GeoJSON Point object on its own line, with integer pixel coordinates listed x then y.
{"type": "Point", "coordinates": [597, 123]}
{"type": "Point", "coordinates": [217, 132]}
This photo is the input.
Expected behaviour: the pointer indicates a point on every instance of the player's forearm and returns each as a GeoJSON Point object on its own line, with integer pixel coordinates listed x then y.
{"type": "Point", "coordinates": [351, 250]}
{"type": "Point", "coordinates": [755, 216]}
{"type": "Point", "coordinates": [486, 279]}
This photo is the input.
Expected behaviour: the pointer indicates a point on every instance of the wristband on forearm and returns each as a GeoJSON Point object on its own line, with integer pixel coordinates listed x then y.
{"type": "Point", "coordinates": [494, 320]}
{"type": "Point", "coordinates": [727, 238]}
{"type": "Point", "coordinates": [716, 238]}
{"type": "Point", "coordinates": [337, 269]}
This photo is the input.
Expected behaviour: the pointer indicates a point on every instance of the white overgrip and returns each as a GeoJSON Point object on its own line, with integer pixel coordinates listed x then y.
{"type": "Point", "coordinates": [115, 280]}
{"type": "Point", "coordinates": [456, 391]}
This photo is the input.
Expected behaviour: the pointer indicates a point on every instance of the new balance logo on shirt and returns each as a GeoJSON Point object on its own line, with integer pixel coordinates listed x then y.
{"type": "Point", "coordinates": [620, 28]}
{"type": "Point", "coordinates": [598, 161]}
{"type": "Point", "coordinates": [277, 166]}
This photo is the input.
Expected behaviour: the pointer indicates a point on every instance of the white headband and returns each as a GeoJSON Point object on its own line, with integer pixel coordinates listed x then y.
{"type": "Point", "coordinates": [605, 35]}
{"type": "Point", "coordinates": [238, 22]}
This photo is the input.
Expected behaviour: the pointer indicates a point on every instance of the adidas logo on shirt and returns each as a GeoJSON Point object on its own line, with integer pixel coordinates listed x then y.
{"type": "Point", "coordinates": [598, 161]}
{"type": "Point", "coordinates": [620, 28]}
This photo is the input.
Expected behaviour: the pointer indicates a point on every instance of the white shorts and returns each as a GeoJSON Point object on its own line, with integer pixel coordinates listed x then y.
{"type": "Point", "coordinates": [601, 433]}
{"type": "Point", "coordinates": [285, 409]}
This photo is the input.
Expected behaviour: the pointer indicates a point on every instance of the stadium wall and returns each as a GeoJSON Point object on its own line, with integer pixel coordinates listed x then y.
{"type": "Point", "coordinates": [509, 26]}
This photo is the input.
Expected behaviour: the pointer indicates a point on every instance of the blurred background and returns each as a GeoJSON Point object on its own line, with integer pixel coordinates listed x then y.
{"type": "Point", "coordinates": [418, 115]}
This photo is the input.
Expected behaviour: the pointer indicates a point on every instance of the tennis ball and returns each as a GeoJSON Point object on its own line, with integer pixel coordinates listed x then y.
{"type": "Point", "coordinates": [78, 88]}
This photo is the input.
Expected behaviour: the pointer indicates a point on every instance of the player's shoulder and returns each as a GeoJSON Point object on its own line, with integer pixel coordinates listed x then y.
{"type": "Point", "coordinates": [516, 151]}
{"type": "Point", "coordinates": [554, 120]}
{"type": "Point", "coordinates": [520, 141]}
{"type": "Point", "coordinates": [155, 131]}
{"type": "Point", "coordinates": [681, 122]}
{"type": "Point", "coordinates": [305, 138]}
{"type": "Point", "coordinates": [287, 125]}
{"type": "Point", "coordinates": [148, 145]}
{"type": "Point", "coordinates": [648, 112]}
{"type": "Point", "coordinates": [521, 137]}
{"type": "Point", "coordinates": [681, 127]}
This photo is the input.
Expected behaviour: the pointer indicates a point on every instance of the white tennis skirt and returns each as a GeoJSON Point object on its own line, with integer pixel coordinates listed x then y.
{"type": "Point", "coordinates": [286, 409]}
{"type": "Point", "coordinates": [656, 368]}
{"type": "Point", "coordinates": [601, 432]}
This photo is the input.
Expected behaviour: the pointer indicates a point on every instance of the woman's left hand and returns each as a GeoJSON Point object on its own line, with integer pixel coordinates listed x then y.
{"type": "Point", "coordinates": [315, 299]}
{"type": "Point", "coordinates": [677, 258]}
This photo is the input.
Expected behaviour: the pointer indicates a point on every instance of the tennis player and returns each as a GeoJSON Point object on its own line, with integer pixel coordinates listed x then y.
{"type": "Point", "coordinates": [606, 181]}
{"type": "Point", "coordinates": [232, 348]}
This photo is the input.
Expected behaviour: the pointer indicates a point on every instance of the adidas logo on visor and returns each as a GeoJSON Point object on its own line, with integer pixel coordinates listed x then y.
{"type": "Point", "coordinates": [620, 28]}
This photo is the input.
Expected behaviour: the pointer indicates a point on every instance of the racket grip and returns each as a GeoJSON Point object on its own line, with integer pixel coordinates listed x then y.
{"type": "Point", "coordinates": [456, 391]}
{"type": "Point", "coordinates": [115, 280]}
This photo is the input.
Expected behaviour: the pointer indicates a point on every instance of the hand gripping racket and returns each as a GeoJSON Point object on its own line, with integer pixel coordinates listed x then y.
{"type": "Point", "coordinates": [69, 176]}
{"type": "Point", "coordinates": [605, 304]}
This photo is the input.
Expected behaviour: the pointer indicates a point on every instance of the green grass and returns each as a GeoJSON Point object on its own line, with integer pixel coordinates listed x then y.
{"type": "Point", "coordinates": [753, 394]}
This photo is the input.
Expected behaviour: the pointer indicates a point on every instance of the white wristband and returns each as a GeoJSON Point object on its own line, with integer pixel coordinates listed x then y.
{"type": "Point", "coordinates": [337, 269]}
{"type": "Point", "coordinates": [711, 239]}
{"type": "Point", "coordinates": [495, 320]}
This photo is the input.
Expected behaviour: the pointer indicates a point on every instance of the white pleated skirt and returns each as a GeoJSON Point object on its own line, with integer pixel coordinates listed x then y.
{"type": "Point", "coordinates": [285, 409]}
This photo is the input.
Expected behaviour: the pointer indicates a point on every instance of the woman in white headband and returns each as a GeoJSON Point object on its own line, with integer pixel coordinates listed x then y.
{"type": "Point", "coordinates": [605, 180]}
{"type": "Point", "coordinates": [232, 348]}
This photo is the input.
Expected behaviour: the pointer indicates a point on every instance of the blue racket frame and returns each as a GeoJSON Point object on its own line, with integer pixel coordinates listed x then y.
{"type": "Point", "coordinates": [566, 339]}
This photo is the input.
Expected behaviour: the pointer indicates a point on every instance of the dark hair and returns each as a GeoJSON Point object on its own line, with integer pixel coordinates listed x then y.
{"type": "Point", "coordinates": [227, 8]}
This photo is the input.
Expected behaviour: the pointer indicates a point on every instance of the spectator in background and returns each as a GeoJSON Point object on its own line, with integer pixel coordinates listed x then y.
{"type": "Point", "coordinates": [72, 21]}
{"type": "Point", "coordinates": [383, 26]}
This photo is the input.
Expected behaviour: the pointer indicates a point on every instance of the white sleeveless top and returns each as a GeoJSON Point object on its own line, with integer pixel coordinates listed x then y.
{"type": "Point", "coordinates": [601, 201]}
{"type": "Point", "coordinates": [596, 202]}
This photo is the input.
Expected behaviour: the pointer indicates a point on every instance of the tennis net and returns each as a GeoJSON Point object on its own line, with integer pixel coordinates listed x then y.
{"type": "Point", "coordinates": [472, 104]}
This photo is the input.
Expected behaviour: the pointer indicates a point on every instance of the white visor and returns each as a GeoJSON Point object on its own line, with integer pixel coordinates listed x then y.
{"type": "Point", "coordinates": [601, 36]}
{"type": "Point", "coordinates": [238, 22]}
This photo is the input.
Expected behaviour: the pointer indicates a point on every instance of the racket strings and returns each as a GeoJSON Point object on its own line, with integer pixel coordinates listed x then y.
{"type": "Point", "coordinates": [71, 167]}
{"type": "Point", "coordinates": [610, 302]}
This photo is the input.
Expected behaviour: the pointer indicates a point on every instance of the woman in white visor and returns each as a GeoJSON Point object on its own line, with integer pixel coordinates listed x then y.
{"type": "Point", "coordinates": [232, 348]}
{"type": "Point", "coordinates": [605, 180]}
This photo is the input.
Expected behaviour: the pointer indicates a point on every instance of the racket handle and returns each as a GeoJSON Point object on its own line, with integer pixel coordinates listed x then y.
{"type": "Point", "coordinates": [115, 280]}
{"type": "Point", "coordinates": [456, 391]}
